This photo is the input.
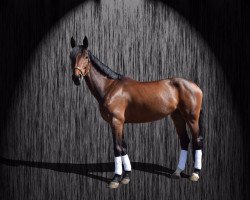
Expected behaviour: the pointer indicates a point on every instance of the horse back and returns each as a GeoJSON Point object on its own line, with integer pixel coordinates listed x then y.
{"type": "Point", "coordinates": [146, 101]}
{"type": "Point", "coordinates": [149, 101]}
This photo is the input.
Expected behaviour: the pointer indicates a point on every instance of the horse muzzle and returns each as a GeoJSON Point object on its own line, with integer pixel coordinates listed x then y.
{"type": "Point", "coordinates": [77, 79]}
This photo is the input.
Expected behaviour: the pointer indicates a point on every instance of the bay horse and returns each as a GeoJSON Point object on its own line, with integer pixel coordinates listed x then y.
{"type": "Point", "coordinates": [124, 100]}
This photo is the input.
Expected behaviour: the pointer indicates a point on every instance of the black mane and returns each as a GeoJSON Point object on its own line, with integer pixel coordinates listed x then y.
{"type": "Point", "coordinates": [96, 63]}
{"type": "Point", "coordinates": [103, 68]}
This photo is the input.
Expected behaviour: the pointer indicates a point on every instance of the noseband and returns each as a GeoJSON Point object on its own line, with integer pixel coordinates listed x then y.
{"type": "Point", "coordinates": [79, 69]}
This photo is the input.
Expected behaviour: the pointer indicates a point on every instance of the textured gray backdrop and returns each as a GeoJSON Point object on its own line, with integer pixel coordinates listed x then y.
{"type": "Point", "coordinates": [53, 121]}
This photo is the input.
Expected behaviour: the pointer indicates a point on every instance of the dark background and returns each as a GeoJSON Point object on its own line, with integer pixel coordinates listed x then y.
{"type": "Point", "coordinates": [222, 24]}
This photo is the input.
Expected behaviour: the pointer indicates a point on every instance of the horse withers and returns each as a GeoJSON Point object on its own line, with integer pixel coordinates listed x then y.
{"type": "Point", "coordinates": [124, 100]}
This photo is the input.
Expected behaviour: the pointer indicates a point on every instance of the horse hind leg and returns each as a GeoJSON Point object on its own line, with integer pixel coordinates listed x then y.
{"type": "Point", "coordinates": [180, 125]}
{"type": "Point", "coordinates": [126, 163]}
{"type": "Point", "coordinates": [197, 143]}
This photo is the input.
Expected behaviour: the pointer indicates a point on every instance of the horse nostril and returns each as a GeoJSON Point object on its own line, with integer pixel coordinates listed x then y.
{"type": "Point", "coordinates": [73, 77]}
{"type": "Point", "coordinates": [76, 79]}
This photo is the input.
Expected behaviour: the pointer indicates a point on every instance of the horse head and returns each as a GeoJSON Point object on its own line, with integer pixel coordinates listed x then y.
{"type": "Point", "coordinates": [80, 62]}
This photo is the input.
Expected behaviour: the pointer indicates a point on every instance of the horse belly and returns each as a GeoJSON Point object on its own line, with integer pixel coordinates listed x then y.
{"type": "Point", "coordinates": [142, 112]}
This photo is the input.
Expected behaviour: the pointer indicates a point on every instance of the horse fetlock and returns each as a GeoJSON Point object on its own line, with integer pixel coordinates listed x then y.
{"type": "Point", "coordinates": [118, 150]}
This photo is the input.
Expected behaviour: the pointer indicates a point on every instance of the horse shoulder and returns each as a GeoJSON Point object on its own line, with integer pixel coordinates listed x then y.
{"type": "Point", "coordinates": [115, 101]}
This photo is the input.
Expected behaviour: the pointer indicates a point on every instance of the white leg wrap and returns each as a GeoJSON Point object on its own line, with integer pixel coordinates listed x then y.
{"type": "Point", "coordinates": [126, 163]}
{"type": "Point", "coordinates": [182, 160]}
{"type": "Point", "coordinates": [118, 165]}
{"type": "Point", "coordinates": [198, 156]}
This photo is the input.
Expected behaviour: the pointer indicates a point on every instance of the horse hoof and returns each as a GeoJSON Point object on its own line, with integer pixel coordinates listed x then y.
{"type": "Point", "coordinates": [125, 180]}
{"type": "Point", "coordinates": [175, 176]}
{"type": "Point", "coordinates": [195, 177]}
{"type": "Point", "coordinates": [113, 185]}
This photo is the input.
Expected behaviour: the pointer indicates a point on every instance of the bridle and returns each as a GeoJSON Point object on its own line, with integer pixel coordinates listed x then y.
{"type": "Point", "coordinates": [80, 70]}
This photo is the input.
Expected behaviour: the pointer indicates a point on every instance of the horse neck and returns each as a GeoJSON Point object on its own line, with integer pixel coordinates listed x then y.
{"type": "Point", "coordinates": [97, 83]}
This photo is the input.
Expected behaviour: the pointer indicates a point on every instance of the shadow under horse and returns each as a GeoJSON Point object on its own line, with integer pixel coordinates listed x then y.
{"type": "Point", "coordinates": [88, 169]}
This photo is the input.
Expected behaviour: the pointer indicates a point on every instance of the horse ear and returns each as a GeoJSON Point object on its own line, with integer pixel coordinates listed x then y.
{"type": "Point", "coordinates": [85, 42]}
{"type": "Point", "coordinates": [72, 42]}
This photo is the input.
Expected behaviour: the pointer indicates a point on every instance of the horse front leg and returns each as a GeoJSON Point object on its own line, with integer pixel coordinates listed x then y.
{"type": "Point", "coordinates": [120, 154]}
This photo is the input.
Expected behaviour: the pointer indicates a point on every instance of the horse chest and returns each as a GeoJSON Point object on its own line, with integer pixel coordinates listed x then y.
{"type": "Point", "coordinates": [106, 115]}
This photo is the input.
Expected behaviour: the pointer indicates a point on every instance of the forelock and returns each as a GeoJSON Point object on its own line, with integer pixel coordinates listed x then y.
{"type": "Point", "coordinates": [75, 51]}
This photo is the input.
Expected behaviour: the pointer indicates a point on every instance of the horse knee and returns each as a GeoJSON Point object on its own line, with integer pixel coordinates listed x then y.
{"type": "Point", "coordinates": [123, 152]}
{"type": "Point", "coordinates": [118, 150]}
{"type": "Point", "coordinates": [124, 148]}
